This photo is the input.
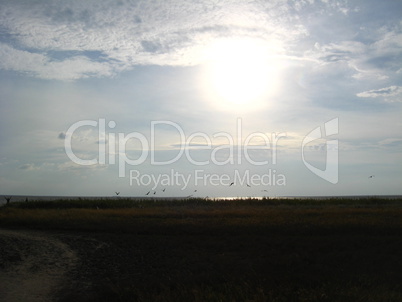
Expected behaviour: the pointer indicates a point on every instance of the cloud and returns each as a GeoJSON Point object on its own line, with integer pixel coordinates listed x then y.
{"type": "Point", "coordinates": [61, 136]}
{"type": "Point", "coordinates": [365, 60]}
{"type": "Point", "coordinates": [127, 34]}
{"type": "Point", "coordinates": [28, 167]}
{"type": "Point", "coordinates": [82, 39]}
{"type": "Point", "coordinates": [153, 47]}
{"type": "Point", "coordinates": [390, 94]}
{"type": "Point", "coordinates": [371, 52]}
{"type": "Point", "coordinates": [384, 55]}
{"type": "Point", "coordinates": [102, 141]}
{"type": "Point", "coordinates": [343, 51]}
{"type": "Point", "coordinates": [391, 143]}
{"type": "Point", "coordinates": [71, 166]}
{"type": "Point", "coordinates": [41, 66]}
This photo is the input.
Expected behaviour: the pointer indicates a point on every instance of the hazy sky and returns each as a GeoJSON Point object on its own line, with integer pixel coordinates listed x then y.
{"type": "Point", "coordinates": [185, 92]}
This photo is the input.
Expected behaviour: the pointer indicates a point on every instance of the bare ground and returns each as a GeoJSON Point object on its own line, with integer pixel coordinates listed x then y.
{"type": "Point", "coordinates": [177, 263]}
{"type": "Point", "coordinates": [33, 265]}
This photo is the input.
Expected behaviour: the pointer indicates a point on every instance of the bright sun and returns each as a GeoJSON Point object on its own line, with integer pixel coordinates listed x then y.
{"type": "Point", "coordinates": [241, 73]}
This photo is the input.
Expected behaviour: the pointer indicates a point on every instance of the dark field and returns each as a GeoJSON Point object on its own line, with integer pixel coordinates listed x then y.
{"type": "Point", "coordinates": [241, 250]}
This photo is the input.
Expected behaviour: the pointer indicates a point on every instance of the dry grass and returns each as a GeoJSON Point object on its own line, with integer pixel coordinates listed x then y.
{"type": "Point", "coordinates": [356, 214]}
{"type": "Point", "coordinates": [329, 250]}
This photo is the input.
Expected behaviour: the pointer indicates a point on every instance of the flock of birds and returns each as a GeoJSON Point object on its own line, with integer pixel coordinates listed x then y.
{"type": "Point", "coordinates": [163, 190]}
{"type": "Point", "coordinates": [7, 198]}
{"type": "Point", "coordinates": [231, 184]}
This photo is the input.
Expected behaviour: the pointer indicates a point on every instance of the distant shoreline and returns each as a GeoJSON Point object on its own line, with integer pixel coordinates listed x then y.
{"type": "Point", "coordinates": [19, 198]}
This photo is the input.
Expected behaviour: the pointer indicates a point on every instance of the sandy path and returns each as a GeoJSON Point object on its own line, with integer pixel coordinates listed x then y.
{"type": "Point", "coordinates": [33, 265]}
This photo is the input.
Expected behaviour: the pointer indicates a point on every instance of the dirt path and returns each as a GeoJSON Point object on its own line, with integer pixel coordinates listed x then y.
{"type": "Point", "coordinates": [33, 265]}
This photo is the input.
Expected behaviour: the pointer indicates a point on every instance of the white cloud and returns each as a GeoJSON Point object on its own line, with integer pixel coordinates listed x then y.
{"type": "Point", "coordinates": [383, 56]}
{"type": "Point", "coordinates": [389, 94]}
{"type": "Point", "coordinates": [334, 52]}
{"type": "Point", "coordinates": [377, 61]}
{"type": "Point", "coordinates": [13, 59]}
{"type": "Point", "coordinates": [41, 66]}
{"type": "Point", "coordinates": [391, 143]}
{"type": "Point", "coordinates": [71, 166]}
{"type": "Point", "coordinates": [75, 68]}
{"type": "Point", "coordinates": [139, 33]}
{"type": "Point", "coordinates": [28, 167]}
{"type": "Point", "coordinates": [174, 33]}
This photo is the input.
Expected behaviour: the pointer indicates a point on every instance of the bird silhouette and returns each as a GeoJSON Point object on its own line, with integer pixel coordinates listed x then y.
{"type": "Point", "coordinates": [117, 193]}
{"type": "Point", "coordinates": [154, 192]}
{"type": "Point", "coordinates": [163, 190]}
{"type": "Point", "coordinates": [264, 190]}
{"type": "Point", "coordinates": [371, 176]}
{"type": "Point", "coordinates": [231, 184]}
{"type": "Point", "coordinates": [148, 193]}
{"type": "Point", "coordinates": [248, 185]}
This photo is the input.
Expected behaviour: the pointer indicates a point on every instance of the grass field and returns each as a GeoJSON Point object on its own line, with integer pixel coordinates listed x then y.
{"type": "Point", "coordinates": [240, 250]}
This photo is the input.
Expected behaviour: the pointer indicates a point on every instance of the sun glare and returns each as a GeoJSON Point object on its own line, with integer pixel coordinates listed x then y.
{"type": "Point", "coordinates": [241, 73]}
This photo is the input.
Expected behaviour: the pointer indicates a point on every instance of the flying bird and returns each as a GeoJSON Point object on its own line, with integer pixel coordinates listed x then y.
{"type": "Point", "coordinates": [248, 185]}
{"type": "Point", "coordinates": [371, 176]}
{"type": "Point", "coordinates": [264, 190]}
{"type": "Point", "coordinates": [163, 190]}
{"type": "Point", "coordinates": [148, 193]}
{"type": "Point", "coordinates": [117, 193]}
{"type": "Point", "coordinates": [231, 184]}
{"type": "Point", "coordinates": [154, 192]}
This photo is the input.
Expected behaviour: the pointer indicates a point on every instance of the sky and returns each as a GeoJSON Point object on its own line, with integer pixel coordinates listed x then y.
{"type": "Point", "coordinates": [201, 98]}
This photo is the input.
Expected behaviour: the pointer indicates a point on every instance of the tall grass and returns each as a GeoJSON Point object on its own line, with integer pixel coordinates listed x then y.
{"type": "Point", "coordinates": [110, 203]}
{"type": "Point", "coordinates": [127, 214]}
{"type": "Point", "coordinates": [228, 250]}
